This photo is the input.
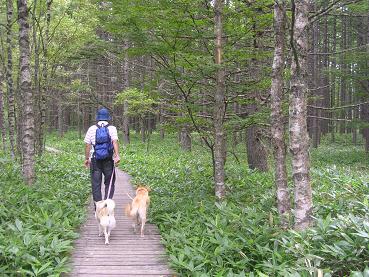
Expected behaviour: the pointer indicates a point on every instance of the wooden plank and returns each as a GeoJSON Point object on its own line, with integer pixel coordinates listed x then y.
{"type": "Point", "coordinates": [117, 253]}
{"type": "Point", "coordinates": [118, 263]}
{"type": "Point", "coordinates": [124, 275]}
{"type": "Point", "coordinates": [101, 257]}
{"type": "Point", "coordinates": [94, 231]}
{"type": "Point", "coordinates": [149, 245]}
{"type": "Point", "coordinates": [129, 259]}
{"type": "Point", "coordinates": [126, 239]}
{"type": "Point", "coordinates": [141, 269]}
{"type": "Point", "coordinates": [120, 249]}
{"type": "Point", "coordinates": [128, 225]}
{"type": "Point", "coordinates": [119, 243]}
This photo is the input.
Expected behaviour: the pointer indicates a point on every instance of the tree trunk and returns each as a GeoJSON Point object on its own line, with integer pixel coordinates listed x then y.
{"type": "Point", "coordinates": [149, 123]}
{"type": "Point", "coordinates": [343, 75]}
{"type": "Point", "coordinates": [60, 119]}
{"type": "Point", "coordinates": [185, 138]}
{"type": "Point", "coordinates": [79, 115]}
{"type": "Point", "coordinates": [142, 128]}
{"type": "Point", "coordinates": [333, 85]}
{"type": "Point", "coordinates": [349, 73]}
{"type": "Point", "coordinates": [315, 128]}
{"type": "Point", "coordinates": [137, 124]}
{"type": "Point", "coordinates": [256, 153]}
{"type": "Point", "coordinates": [44, 87]}
{"type": "Point", "coordinates": [2, 122]}
{"type": "Point", "coordinates": [277, 128]}
{"type": "Point", "coordinates": [36, 70]}
{"type": "Point", "coordinates": [19, 116]}
{"type": "Point", "coordinates": [9, 78]}
{"type": "Point", "coordinates": [126, 138]}
{"type": "Point", "coordinates": [363, 65]}
{"type": "Point", "coordinates": [28, 138]}
{"type": "Point", "coordinates": [235, 132]}
{"type": "Point", "coordinates": [325, 65]}
{"type": "Point", "coordinates": [66, 117]}
{"type": "Point", "coordinates": [365, 108]}
{"type": "Point", "coordinates": [299, 139]}
{"type": "Point", "coordinates": [161, 122]}
{"type": "Point", "coordinates": [219, 106]}
{"type": "Point", "coordinates": [355, 114]}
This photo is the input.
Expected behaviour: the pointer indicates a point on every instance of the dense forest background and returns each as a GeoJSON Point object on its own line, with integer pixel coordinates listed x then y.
{"type": "Point", "coordinates": [259, 82]}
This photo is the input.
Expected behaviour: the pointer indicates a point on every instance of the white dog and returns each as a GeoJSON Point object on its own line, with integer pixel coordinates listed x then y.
{"type": "Point", "coordinates": [105, 217]}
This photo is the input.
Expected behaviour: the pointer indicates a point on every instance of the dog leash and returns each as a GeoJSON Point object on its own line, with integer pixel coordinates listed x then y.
{"type": "Point", "coordinates": [111, 181]}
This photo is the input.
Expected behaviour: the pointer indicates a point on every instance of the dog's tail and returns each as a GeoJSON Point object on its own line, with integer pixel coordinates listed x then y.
{"type": "Point", "coordinates": [129, 211]}
{"type": "Point", "coordinates": [110, 205]}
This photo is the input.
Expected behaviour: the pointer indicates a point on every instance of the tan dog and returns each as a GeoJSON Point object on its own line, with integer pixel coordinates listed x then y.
{"type": "Point", "coordinates": [105, 217]}
{"type": "Point", "coordinates": [138, 208]}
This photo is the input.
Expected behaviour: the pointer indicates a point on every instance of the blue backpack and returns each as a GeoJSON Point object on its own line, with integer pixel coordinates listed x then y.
{"type": "Point", "coordinates": [103, 145]}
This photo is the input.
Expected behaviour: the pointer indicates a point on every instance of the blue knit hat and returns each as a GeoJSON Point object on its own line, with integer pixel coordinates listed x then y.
{"type": "Point", "coordinates": [103, 114]}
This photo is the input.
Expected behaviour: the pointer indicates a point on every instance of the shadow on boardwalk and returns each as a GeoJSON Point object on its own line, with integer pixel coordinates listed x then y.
{"type": "Point", "coordinates": [127, 254]}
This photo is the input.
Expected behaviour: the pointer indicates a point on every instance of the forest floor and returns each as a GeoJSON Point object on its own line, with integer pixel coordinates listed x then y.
{"type": "Point", "coordinates": [239, 237]}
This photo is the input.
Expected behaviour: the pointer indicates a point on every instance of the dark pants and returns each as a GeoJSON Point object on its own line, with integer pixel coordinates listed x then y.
{"type": "Point", "coordinates": [98, 168]}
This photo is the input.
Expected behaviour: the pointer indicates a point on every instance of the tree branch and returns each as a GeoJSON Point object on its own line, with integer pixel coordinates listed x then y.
{"type": "Point", "coordinates": [338, 108]}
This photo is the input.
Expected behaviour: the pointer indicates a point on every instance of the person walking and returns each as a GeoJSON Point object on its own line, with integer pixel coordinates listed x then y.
{"type": "Point", "coordinates": [102, 154]}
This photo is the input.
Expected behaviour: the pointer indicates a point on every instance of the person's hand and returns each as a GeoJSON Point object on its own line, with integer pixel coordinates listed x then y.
{"type": "Point", "coordinates": [87, 163]}
{"type": "Point", "coordinates": [116, 159]}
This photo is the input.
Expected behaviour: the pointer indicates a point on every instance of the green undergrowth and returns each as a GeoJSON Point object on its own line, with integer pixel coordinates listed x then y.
{"type": "Point", "coordinates": [40, 222]}
{"type": "Point", "coordinates": [241, 237]}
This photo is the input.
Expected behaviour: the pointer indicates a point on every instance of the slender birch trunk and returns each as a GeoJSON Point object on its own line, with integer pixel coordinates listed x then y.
{"type": "Point", "coordinates": [126, 138]}
{"type": "Point", "coordinates": [43, 90]}
{"type": "Point", "coordinates": [325, 65]}
{"type": "Point", "coordinates": [333, 81]}
{"type": "Point", "coordinates": [28, 138]}
{"type": "Point", "coordinates": [142, 128]}
{"type": "Point", "coordinates": [365, 108]}
{"type": "Point", "coordinates": [219, 107]}
{"type": "Point", "coordinates": [9, 78]}
{"type": "Point", "coordinates": [36, 70]}
{"type": "Point", "coordinates": [2, 121]}
{"type": "Point", "coordinates": [343, 75]}
{"type": "Point", "coordinates": [315, 128]}
{"type": "Point", "coordinates": [235, 132]}
{"type": "Point", "coordinates": [299, 139]}
{"type": "Point", "coordinates": [277, 128]}
{"type": "Point", "coordinates": [143, 117]}
{"type": "Point", "coordinates": [19, 115]}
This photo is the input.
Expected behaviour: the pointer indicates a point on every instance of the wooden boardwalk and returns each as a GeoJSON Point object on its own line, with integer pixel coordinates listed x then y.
{"type": "Point", "coordinates": [127, 254]}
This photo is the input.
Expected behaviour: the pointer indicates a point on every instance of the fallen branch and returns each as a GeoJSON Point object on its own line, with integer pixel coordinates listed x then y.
{"type": "Point", "coordinates": [331, 119]}
{"type": "Point", "coordinates": [337, 108]}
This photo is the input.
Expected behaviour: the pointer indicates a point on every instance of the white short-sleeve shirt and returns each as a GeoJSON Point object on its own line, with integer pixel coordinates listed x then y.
{"type": "Point", "coordinates": [90, 137]}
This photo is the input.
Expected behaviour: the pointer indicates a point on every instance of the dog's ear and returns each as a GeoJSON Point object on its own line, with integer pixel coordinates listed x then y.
{"type": "Point", "coordinates": [148, 189]}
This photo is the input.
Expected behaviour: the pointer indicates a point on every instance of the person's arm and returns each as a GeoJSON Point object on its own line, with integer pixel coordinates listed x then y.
{"type": "Point", "coordinates": [116, 152]}
{"type": "Point", "coordinates": [87, 155]}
